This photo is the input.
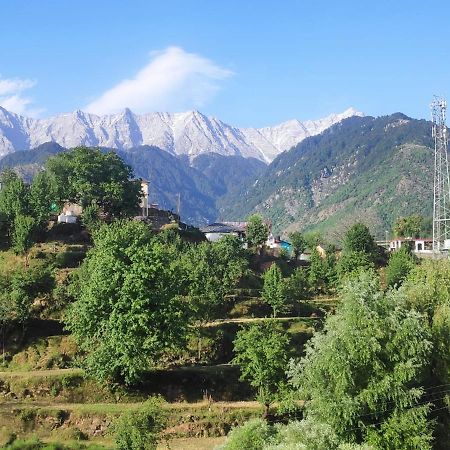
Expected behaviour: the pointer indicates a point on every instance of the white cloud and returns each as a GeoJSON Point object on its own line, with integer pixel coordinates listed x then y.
{"type": "Point", "coordinates": [172, 80]}
{"type": "Point", "coordinates": [12, 96]}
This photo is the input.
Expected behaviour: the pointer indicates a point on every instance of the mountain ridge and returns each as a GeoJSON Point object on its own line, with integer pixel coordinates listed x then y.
{"type": "Point", "coordinates": [190, 133]}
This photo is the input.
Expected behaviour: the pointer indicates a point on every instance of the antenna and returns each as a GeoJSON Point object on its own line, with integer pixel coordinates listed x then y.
{"type": "Point", "coordinates": [441, 199]}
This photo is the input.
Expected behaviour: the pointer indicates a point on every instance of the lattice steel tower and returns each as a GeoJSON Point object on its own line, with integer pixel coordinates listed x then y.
{"type": "Point", "coordinates": [441, 204]}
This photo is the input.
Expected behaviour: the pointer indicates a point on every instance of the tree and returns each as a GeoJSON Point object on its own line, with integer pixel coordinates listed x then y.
{"type": "Point", "coordinates": [352, 263]}
{"type": "Point", "coordinates": [129, 309]}
{"type": "Point", "coordinates": [401, 262]}
{"type": "Point", "coordinates": [362, 375]}
{"type": "Point", "coordinates": [297, 286]}
{"type": "Point", "coordinates": [13, 198]}
{"type": "Point", "coordinates": [427, 290]}
{"type": "Point", "coordinates": [409, 226]}
{"type": "Point", "coordinates": [273, 291]}
{"type": "Point", "coordinates": [262, 353]}
{"type": "Point", "coordinates": [88, 176]}
{"type": "Point", "coordinates": [317, 273]}
{"type": "Point", "coordinates": [212, 269]}
{"type": "Point", "coordinates": [91, 217]}
{"type": "Point", "coordinates": [298, 243]}
{"type": "Point", "coordinates": [141, 429]}
{"type": "Point", "coordinates": [359, 239]}
{"type": "Point", "coordinates": [257, 231]}
{"type": "Point", "coordinates": [313, 239]}
{"type": "Point", "coordinates": [22, 239]}
{"type": "Point", "coordinates": [42, 197]}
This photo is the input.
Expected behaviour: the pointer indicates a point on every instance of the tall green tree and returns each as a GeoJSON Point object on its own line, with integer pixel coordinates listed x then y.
{"type": "Point", "coordinates": [129, 309]}
{"type": "Point", "coordinates": [14, 198]}
{"type": "Point", "coordinates": [273, 292]}
{"type": "Point", "coordinates": [262, 352]}
{"type": "Point", "coordinates": [257, 231]}
{"type": "Point", "coordinates": [362, 374]}
{"type": "Point", "coordinates": [23, 235]}
{"type": "Point", "coordinates": [212, 270]}
{"type": "Point", "coordinates": [409, 226]}
{"type": "Point", "coordinates": [359, 239]}
{"type": "Point", "coordinates": [43, 195]}
{"type": "Point", "coordinates": [86, 176]}
{"type": "Point", "coordinates": [400, 264]}
{"type": "Point", "coordinates": [298, 243]}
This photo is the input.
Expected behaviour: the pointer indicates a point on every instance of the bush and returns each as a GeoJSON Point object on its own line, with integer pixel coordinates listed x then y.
{"type": "Point", "coordinates": [400, 264]}
{"type": "Point", "coordinates": [253, 435]}
{"type": "Point", "coordinates": [140, 429]}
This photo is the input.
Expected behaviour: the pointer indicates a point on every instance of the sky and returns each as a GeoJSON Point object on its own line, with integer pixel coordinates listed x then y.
{"type": "Point", "coordinates": [253, 63]}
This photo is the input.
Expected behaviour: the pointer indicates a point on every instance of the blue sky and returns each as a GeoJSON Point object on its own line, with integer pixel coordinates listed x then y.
{"type": "Point", "coordinates": [253, 63]}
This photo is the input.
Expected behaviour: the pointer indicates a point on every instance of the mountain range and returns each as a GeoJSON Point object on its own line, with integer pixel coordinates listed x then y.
{"type": "Point", "coordinates": [360, 168]}
{"type": "Point", "coordinates": [189, 133]}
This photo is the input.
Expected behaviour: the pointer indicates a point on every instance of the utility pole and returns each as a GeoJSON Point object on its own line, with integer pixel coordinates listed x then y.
{"type": "Point", "coordinates": [441, 196]}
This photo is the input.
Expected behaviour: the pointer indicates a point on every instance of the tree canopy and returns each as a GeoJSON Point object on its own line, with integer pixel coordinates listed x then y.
{"type": "Point", "coordinates": [257, 231]}
{"type": "Point", "coordinates": [129, 309]}
{"type": "Point", "coordinates": [363, 374]}
{"type": "Point", "coordinates": [262, 353]}
{"type": "Point", "coordinates": [89, 176]}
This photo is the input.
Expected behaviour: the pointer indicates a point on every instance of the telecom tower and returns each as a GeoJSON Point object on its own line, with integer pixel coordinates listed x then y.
{"type": "Point", "coordinates": [441, 203]}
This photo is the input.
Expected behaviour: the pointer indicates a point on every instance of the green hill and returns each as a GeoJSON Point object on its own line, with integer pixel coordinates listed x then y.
{"type": "Point", "coordinates": [362, 169]}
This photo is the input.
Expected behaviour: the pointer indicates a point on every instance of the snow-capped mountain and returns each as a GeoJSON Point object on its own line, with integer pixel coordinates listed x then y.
{"type": "Point", "coordinates": [190, 133]}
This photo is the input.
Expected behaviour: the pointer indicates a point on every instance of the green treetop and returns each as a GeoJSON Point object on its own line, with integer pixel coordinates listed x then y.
{"type": "Point", "coordinates": [273, 291]}
{"type": "Point", "coordinates": [89, 176]}
{"type": "Point", "coordinates": [257, 231]}
{"type": "Point", "coordinates": [298, 243]}
{"type": "Point", "coordinates": [262, 354]}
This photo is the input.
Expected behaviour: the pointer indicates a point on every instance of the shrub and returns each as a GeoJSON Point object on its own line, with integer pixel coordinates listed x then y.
{"type": "Point", "coordinates": [253, 435]}
{"type": "Point", "coordinates": [140, 429]}
{"type": "Point", "coordinates": [400, 264]}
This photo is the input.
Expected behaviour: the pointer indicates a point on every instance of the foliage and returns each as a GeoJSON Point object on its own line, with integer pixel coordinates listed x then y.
{"type": "Point", "coordinates": [387, 168]}
{"type": "Point", "coordinates": [91, 217]}
{"type": "Point", "coordinates": [42, 197]}
{"type": "Point", "coordinates": [140, 429]}
{"type": "Point", "coordinates": [351, 263]}
{"type": "Point", "coordinates": [261, 352]}
{"type": "Point", "coordinates": [19, 289]}
{"type": "Point", "coordinates": [427, 289]}
{"type": "Point", "coordinates": [358, 239]}
{"type": "Point", "coordinates": [401, 262]}
{"type": "Point", "coordinates": [307, 434]}
{"type": "Point", "coordinates": [297, 286]}
{"type": "Point", "coordinates": [409, 226]}
{"type": "Point", "coordinates": [257, 231]}
{"type": "Point", "coordinates": [13, 195]}
{"type": "Point", "coordinates": [312, 239]}
{"type": "Point", "coordinates": [298, 243]}
{"type": "Point", "coordinates": [363, 372]}
{"type": "Point", "coordinates": [86, 176]}
{"type": "Point", "coordinates": [129, 309]}
{"type": "Point", "coordinates": [273, 291]}
{"type": "Point", "coordinates": [253, 435]}
{"type": "Point", "coordinates": [323, 271]}
{"type": "Point", "coordinates": [212, 269]}
{"type": "Point", "coordinates": [24, 229]}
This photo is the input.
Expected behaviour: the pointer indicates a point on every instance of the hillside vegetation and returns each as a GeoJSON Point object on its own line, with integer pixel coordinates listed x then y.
{"type": "Point", "coordinates": [364, 167]}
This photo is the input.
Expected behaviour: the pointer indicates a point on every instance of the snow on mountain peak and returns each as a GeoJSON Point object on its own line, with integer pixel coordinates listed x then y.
{"type": "Point", "coordinates": [190, 133]}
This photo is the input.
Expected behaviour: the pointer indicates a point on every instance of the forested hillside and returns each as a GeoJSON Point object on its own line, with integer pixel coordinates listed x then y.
{"type": "Point", "coordinates": [364, 167]}
{"type": "Point", "coordinates": [199, 185]}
